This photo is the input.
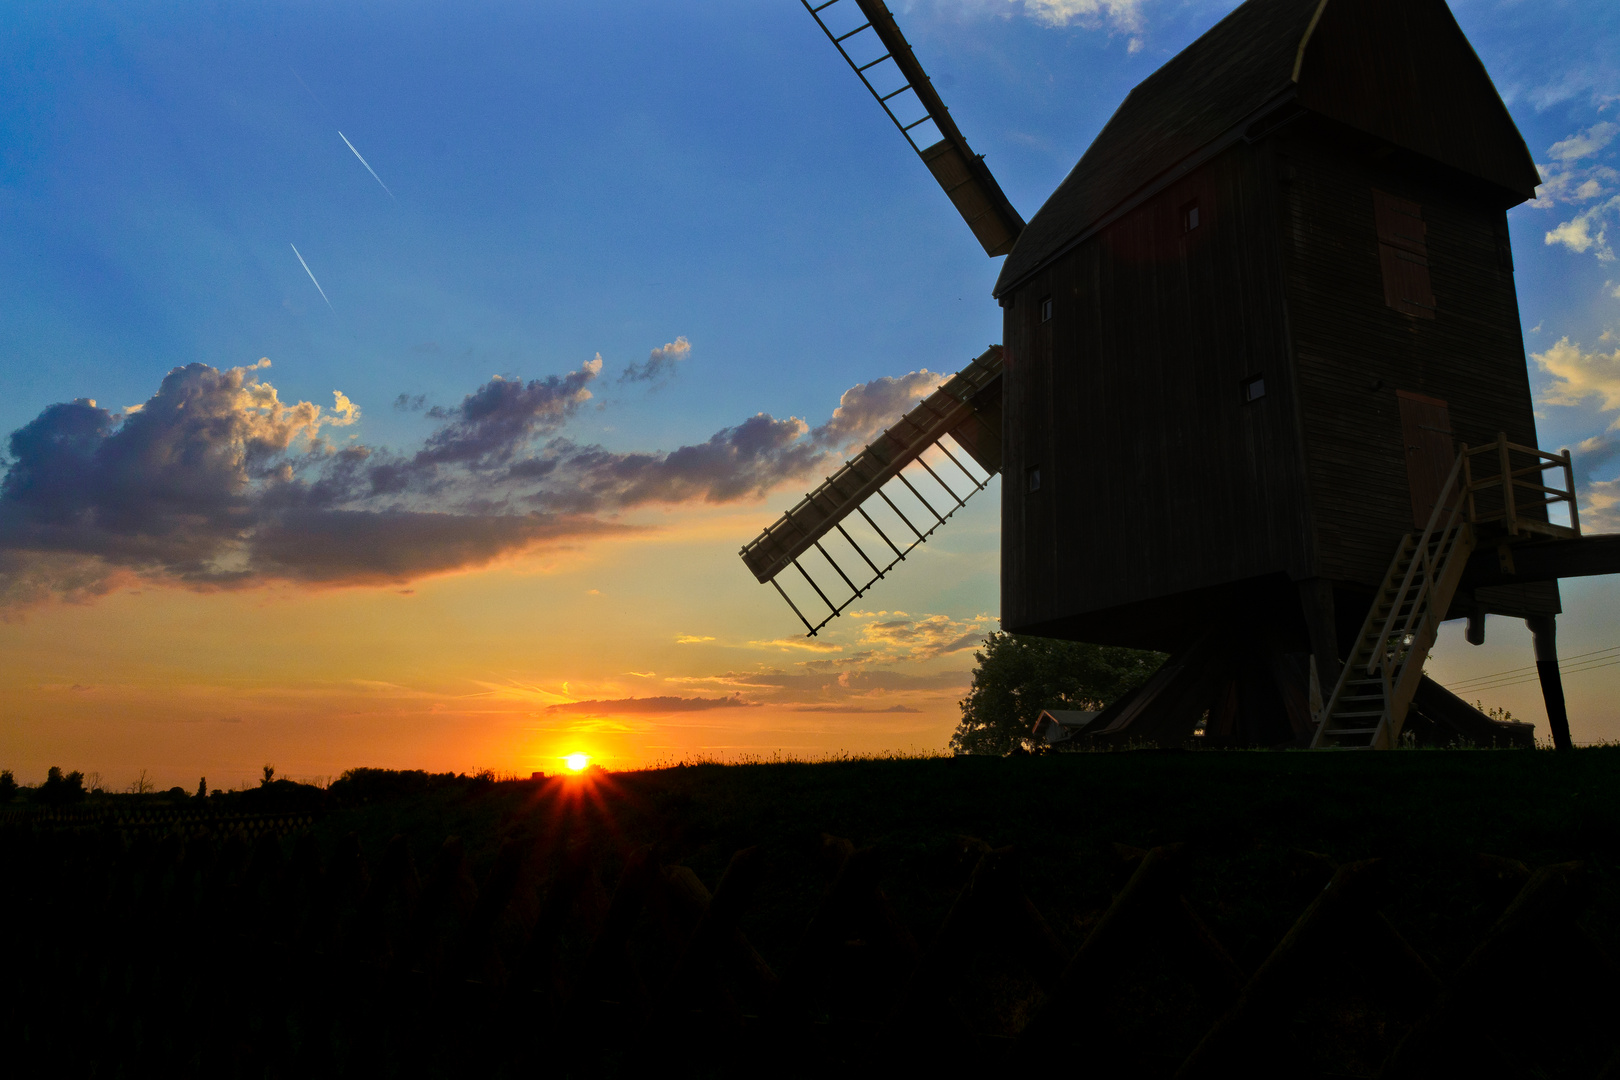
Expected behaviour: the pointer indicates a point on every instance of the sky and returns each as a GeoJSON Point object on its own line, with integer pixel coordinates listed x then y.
{"type": "Point", "coordinates": [395, 384]}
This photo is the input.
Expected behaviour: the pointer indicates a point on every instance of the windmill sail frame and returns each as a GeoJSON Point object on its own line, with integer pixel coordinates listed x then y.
{"type": "Point", "coordinates": [967, 181]}
{"type": "Point", "coordinates": [967, 409]}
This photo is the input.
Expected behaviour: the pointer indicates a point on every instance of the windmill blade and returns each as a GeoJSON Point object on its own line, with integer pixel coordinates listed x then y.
{"type": "Point", "coordinates": [962, 173]}
{"type": "Point", "coordinates": [898, 471]}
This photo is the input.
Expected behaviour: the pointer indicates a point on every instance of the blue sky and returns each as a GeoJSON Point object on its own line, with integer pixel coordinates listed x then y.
{"type": "Point", "coordinates": [571, 181]}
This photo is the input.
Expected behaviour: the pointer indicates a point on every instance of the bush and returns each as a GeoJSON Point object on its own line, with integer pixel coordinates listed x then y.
{"type": "Point", "coordinates": [1017, 676]}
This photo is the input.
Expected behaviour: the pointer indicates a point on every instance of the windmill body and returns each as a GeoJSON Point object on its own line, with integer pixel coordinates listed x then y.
{"type": "Point", "coordinates": [1263, 337]}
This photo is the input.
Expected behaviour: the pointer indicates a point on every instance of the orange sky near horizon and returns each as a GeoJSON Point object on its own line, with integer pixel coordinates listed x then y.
{"type": "Point", "coordinates": [487, 668]}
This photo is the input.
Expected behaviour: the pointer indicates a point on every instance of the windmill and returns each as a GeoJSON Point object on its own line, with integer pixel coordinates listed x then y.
{"type": "Point", "coordinates": [1261, 401]}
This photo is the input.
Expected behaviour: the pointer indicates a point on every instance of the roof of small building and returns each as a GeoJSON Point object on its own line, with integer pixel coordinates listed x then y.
{"type": "Point", "coordinates": [1364, 56]}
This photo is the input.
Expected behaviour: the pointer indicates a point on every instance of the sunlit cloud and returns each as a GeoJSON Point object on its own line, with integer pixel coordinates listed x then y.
{"type": "Point", "coordinates": [1574, 176]}
{"type": "Point", "coordinates": [1579, 377]}
{"type": "Point", "coordinates": [692, 639]}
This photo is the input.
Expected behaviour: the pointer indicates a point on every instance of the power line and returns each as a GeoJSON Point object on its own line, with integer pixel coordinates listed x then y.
{"type": "Point", "coordinates": [1478, 687]}
{"type": "Point", "coordinates": [1531, 669]}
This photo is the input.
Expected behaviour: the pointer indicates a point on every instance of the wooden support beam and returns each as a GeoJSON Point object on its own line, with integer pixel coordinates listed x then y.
{"type": "Point", "coordinates": [1543, 629]}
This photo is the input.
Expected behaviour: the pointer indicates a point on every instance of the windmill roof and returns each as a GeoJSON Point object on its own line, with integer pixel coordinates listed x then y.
{"type": "Point", "coordinates": [1379, 49]}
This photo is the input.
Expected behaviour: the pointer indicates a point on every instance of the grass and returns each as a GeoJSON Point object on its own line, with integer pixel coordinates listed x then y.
{"type": "Point", "coordinates": [1248, 817]}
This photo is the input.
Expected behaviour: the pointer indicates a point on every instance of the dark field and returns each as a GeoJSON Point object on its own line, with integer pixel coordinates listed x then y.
{"type": "Point", "coordinates": [197, 945]}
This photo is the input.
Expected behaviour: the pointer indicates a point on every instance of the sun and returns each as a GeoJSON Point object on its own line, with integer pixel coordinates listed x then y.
{"type": "Point", "coordinates": [577, 761]}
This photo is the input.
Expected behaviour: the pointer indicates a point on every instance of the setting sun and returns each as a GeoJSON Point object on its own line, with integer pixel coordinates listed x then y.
{"type": "Point", "coordinates": [576, 761]}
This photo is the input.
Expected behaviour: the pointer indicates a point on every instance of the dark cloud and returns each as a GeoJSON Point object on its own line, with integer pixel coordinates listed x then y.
{"type": "Point", "coordinates": [660, 363]}
{"type": "Point", "coordinates": [650, 705]}
{"type": "Point", "coordinates": [217, 483]}
{"type": "Point", "coordinates": [501, 418]}
{"type": "Point", "coordinates": [739, 462]}
{"type": "Point", "coordinates": [407, 403]}
{"type": "Point", "coordinates": [365, 547]}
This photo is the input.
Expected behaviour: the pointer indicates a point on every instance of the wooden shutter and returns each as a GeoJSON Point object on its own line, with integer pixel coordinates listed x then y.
{"type": "Point", "coordinates": [1404, 253]}
{"type": "Point", "coordinates": [1430, 454]}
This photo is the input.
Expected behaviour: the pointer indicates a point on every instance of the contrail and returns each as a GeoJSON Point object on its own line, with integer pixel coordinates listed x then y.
{"type": "Point", "coordinates": [366, 163]}
{"type": "Point", "coordinates": [307, 90]}
{"type": "Point", "coordinates": [311, 274]}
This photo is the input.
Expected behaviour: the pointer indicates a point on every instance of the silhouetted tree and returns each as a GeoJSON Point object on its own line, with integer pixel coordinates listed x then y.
{"type": "Point", "coordinates": [8, 786]}
{"type": "Point", "coordinates": [202, 788]}
{"type": "Point", "coordinates": [1017, 676]}
{"type": "Point", "coordinates": [58, 789]}
{"type": "Point", "coordinates": [269, 776]}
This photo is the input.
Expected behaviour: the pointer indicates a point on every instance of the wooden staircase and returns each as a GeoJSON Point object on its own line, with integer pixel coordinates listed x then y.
{"type": "Point", "coordinates": [1374, 691]}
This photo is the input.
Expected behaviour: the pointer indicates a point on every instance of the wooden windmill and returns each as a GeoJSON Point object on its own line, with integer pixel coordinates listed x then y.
{"type": "Point", "coordinates": [1262, 401]}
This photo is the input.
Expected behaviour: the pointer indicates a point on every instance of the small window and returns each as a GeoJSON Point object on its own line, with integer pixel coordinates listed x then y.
{"type": "Point", "coordinates": [1254, 388]}
{"type": "Point", "coordinates": [1032, 479]}
{"type": "Point", "coordinates": [1046, 309]}
{"type": "Point", "coordinates": [1189, 217]}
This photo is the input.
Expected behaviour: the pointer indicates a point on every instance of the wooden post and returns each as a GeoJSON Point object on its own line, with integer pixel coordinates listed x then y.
{"type": "Point", "coordinates": [1544, 631]}
{"type": "Point", "coordinates": [1569, 486]}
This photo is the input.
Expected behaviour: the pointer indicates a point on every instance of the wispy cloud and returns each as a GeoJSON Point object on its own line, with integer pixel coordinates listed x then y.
{"type": "Point", "coordinates": [1117, 14]}
{"type": "Point", "coordinates": [649, 705]}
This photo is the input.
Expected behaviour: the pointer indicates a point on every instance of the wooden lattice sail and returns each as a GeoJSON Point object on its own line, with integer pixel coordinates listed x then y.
{"type": "Point", "coordinates": [862, 509]}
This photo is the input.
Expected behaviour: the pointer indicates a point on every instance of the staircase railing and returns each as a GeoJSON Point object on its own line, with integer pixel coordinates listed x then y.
{"type": "Point", "coordinates": [1391, 641]}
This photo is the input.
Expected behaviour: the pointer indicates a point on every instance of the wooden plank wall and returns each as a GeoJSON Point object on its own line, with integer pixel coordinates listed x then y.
{"type": "Point", "coordinates": [1156, 477]}
{"type": "Point", "coordinates": [1353, 351]}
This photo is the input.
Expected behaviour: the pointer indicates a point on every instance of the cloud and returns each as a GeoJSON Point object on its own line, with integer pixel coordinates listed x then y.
{"type": "Point", "coordinates": [691, 639]}
{"type": "Point", "coordinates": [855, 709]}
{"type": "Point", "coordinates": [650, 705]}
{"type": "Point", "coordinates": [1579, 375]}
{"type": "Point", "coordinates": [344, 411]}
{"type": "Point", "coordinates": [1586, 231]}
{"type": "Point", "coordinates": [204, 485]}
{"type": "Point", "coordinates": [776, 687]}
{"type": "Point", "coordinates": [1117, 14]}
{"type": "Point", "coordinates": [215, 482]}
{"type": "Point", "coordinates": [741, 462]}
{"type": "Point", "coordinates": [1576, 178]}
{"type": "Point", "coordinates": [922, 639]}
{"type": "Point", "coordinates": [1585, 143]}
{"type": "Point", "coordinates": [660, 363]}
{"type": "Point", "coordinates": [500, 418]}
{"type": "Point", "coordinates": [367, 547]}
{"type": "Point", "coordinates": [867, 408]}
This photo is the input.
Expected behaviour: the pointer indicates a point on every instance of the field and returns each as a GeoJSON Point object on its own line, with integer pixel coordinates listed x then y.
{"type": "Point", "coordinates": [308, 932]}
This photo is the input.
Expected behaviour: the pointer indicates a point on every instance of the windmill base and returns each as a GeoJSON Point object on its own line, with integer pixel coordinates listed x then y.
{"type": "Point", "coordinates": [1230, 691]}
